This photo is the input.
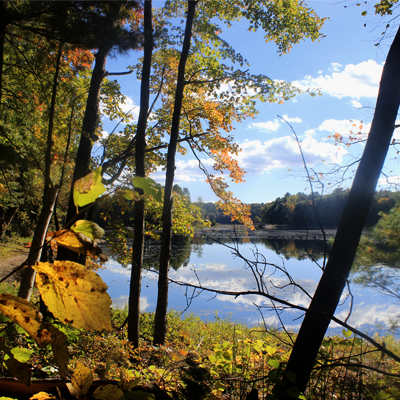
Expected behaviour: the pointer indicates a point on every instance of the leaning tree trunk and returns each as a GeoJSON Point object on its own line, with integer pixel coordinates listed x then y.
{"type": "Point", "coordinates": [160, 320]}
{"type": "Point", "coordinates": [88, 136]}
{"type": "Point", "coordinates": [49, 198]}
{"type": "Point", "coordinates": [137, 253]}
{"type": "Point", "coordinates": [333, 280]}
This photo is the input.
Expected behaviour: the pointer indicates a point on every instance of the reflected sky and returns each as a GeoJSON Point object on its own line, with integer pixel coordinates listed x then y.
{"type": "Point", "coordinates": [218, 267]}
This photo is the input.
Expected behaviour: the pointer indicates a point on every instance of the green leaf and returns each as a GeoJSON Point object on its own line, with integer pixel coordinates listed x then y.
{"type": "Point", "coordinates": [293, 392]}
{"type": "Point", "coordinates": [273, 363]}
{"type": "Point", "coordinates": [130, 195]}
{"type": "Point", "coordinates": [382, 396]}
{"type": "Point", "coordinates": [89, 188]}
{"type": "Point", "coordinates": [364, 13]}
{"type": "Point", "coordinates": [347, 333]}
{"type": "Point", "coordinates": [149, 186]}
{"type": "Point", "coordinates": [139, 395]}
{"type": "Point", "coordinates": [88, 228]}
{"type": "Point", "coordinates": [20, 354]}
{"type": "Point", "coordinates": [291, 376]}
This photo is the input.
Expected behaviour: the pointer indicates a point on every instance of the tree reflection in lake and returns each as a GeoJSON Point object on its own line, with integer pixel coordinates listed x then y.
{"type": "Point", "coordinates": [181, 249]}
{"type": "Point", "coordinates": [216, 267]}
{"type": "Point", "coordinates": [289, 248]}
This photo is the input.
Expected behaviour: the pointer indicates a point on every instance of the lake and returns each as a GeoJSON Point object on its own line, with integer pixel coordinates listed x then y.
{"type": "Point", "coordinates": [219, 266]}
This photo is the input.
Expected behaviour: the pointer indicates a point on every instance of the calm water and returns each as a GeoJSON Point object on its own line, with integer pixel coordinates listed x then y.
{"type": "Point", "coordinates": [217, 266]}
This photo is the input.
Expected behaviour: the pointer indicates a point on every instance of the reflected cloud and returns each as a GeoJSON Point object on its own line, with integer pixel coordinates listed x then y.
{"type": "Point", "coordinates": [122, 301]}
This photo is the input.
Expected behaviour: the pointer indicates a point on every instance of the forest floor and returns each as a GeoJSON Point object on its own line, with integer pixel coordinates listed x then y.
{"type": "Point", "coordinates": [12, 256]}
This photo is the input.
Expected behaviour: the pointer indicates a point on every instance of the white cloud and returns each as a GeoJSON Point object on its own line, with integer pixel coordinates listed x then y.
{"type": "Point", "coordinates": [186, 171]}
{"type": "Point", "coordinates": [355, 81]}
{"type": "Point", "coordinates": [129, 105]}
{"type": "Point", "coordinates": [273, 125]}
{"type": "Point", "coordinates": [295, 119]}
{"type": "Point", "coordinates": [391, 181]}
{"type": "Point", "coordinates": [335, 67]}
{"type": "Point", "coordinates": [122, 301]}
{"type": "Point", "coordinates": [356, 104]}
{"type": "Point", "coordinates": [344, 127]}
{"type": "Point", "coordinates": [266, 126]}
{"type": "Point", "coordinates": [258, 157]}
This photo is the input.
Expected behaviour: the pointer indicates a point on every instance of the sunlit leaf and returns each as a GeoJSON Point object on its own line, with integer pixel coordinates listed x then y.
{"type": "Point", "coordinates": [149, 186]}
{"type": "Point", "coordinates": [75, 241]}
{"type": "Point", "coordinates": [131, 195]}
{"type": "Point", "coordinates": [18, 369]}
{"type": "Point", "coordinates": [74, 294]}
{"type": "Point", "coordinates": [108, 392]}
{"type": "Point", "coordinates": [42, 396]}
{"type": "Point", "coordinates": [81, 380]}
{"type": "Point", "coordinates": [89, 188]}
{"type": "Point", "coordinates": [26, 315]}
{"type": "Point", "coordinates": [273, 363]}
{"type": "Point", "coordinates": [21, 354]}
{"type": "Point", "coordinates": [88, 228]}
{"type": "Point", "coordinates": [347, 333]}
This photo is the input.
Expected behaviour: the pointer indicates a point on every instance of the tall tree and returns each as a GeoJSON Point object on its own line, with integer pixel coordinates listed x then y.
{"type": "Point", "coordinates": [113, 35]}
{"type": "Point", "coordinates": [140, 139]}
{"type": "Point", "coordinates": [205, 76]}
{"type": "Point", "coordinates": [333, 280]}
{"type": "Point", "coordinates": [160, 327]}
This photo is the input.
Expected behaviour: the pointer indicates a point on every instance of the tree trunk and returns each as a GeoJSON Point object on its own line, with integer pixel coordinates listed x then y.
{"type": "Point", "coordinates": [137, 253]}
{"type": "Point", "coordinates": [160, 320]}
{"type": "Point", "coordinates": [28, 277]}
{"type": "Point", "coordinates": [333, 280]}
{"type": "Point", "coordinates": [49, 198]}
{"type": "Point", "coordinates": [88, 136]}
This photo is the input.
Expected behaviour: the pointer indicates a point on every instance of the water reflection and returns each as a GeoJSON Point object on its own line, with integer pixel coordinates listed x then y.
{"type": "Point", "coordinates": [216, 266]}
{"type": "Point", "coordinates": [297, 249]}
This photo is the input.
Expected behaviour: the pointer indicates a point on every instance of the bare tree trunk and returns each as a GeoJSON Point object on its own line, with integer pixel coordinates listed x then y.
{"type": "Point", "coordinates": [49, 198]}
{"type": "Point", "coordinates": [160, 320]}
{"type": "Point", "coordinates": [137, 253]}
{"type": "Point", "coordinates": [28, 277]}
{"type": "Point", "coordinates": [88, 136]}
{"type": "Point", "coordinates": [333, 280]}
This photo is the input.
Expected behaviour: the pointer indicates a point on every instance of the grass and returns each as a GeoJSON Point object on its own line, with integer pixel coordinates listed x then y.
{"type": "Point", "coordinates": [219, 359]}
{"type": "Point", "coordinates": [13, 245]}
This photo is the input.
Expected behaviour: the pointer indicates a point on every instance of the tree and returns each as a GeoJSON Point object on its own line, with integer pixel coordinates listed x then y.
{"type": "Point", "coordinates": [113, 35]}
{"type": "Point", "coordinates": [333, 280]}
{"type": "Point", "coordinates": [205, 75]}
{"type": "Point", "coordinates": [137, 252]}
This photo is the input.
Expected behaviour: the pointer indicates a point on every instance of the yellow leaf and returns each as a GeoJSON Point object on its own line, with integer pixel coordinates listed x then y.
{"type": "Point", "coordinates": [108, 392]}
{"type": "Point", "coordinates": [26, 315]}
{"type": "Point", "coordinates": [42, 396]}
{"type": "Point", "coordinates": [74, 294]}
{"type": "Point", "coordinates": [74, 241]}
{"type": "Point", "coordinates": [82, 379]}
{"type": "Point", "coordinates": [88, 188]}
{"type": "Point", "coordinates": [128, 384]}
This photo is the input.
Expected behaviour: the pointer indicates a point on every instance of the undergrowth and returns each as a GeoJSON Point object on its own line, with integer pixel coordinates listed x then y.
{"type": "Point", "coordinates": [216, 359]}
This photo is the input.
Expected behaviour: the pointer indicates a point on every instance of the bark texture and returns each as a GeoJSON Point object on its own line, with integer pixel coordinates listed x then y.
{"type": "Point", "coordinates": [333, 280]}
{"type": "Point", "coordinates": [160, 320]}
{"type": "Point", "coordinates": [137, 254]}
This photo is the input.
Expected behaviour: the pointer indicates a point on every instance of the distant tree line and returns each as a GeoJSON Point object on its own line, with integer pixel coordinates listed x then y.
{"type": "Point", "coordinates": [301, 210]}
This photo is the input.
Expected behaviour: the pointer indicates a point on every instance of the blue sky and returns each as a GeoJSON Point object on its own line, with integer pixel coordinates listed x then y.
{"type": "Point", "coordinates": [345, 65]}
